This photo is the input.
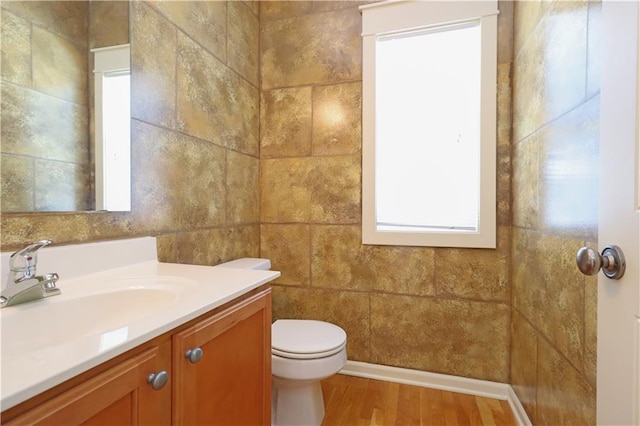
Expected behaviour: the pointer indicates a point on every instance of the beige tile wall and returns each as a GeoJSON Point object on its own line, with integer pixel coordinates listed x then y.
{"type": "Point", "coordinates": [45, 163]}
{"type": "Point", "coordinates": [555, 170]}
{"type": "Point", "coordinates": [108, 23]}
{"type": "Point", "coordinates": [194, 138]}
{"type": "Point", "coordinates": [441, 310]}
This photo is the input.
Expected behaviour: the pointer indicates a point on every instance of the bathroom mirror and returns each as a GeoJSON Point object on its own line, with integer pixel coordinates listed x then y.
{"type": "Point", "coordinates": [49, 160]}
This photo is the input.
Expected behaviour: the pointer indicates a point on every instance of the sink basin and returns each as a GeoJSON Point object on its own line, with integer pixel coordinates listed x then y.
{"type": "Point", "coordinates": [115, 297]}
{"type": "Point", "coordinates": [102, 309]}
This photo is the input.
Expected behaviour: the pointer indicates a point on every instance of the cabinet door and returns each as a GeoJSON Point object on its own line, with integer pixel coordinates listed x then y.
{"type": "Point", "coordinates": [231, 383]}
{"type": "Point", "coordinates": [118, 396]}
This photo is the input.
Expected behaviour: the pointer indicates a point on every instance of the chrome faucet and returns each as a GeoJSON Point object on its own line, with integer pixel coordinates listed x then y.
{"type": "Point", "coordinates": [23, 285]}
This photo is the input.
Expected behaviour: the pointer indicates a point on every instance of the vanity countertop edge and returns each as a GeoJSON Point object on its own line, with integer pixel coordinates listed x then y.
{"type": "Point", "coordinates": [27, 373]}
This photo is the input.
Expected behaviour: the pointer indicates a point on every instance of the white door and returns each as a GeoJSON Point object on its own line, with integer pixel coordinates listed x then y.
{"type": "Point", "coordinates": [619, 300]}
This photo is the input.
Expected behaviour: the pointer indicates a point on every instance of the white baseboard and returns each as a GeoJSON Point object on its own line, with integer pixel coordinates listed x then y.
{"type": "Point", "coordinates": [446, 382]}
{"type": "Point", "coordinates": [518, 409]}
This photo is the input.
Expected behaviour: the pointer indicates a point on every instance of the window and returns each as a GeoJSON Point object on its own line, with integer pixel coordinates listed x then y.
{"type": "Point", "coordinates": [429, 119]}
{"type": "Point", "coordinates": [112, 127]}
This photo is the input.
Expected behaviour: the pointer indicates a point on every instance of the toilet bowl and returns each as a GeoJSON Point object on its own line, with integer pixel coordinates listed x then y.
{"type": "Point", "coordinates": [303, 352]}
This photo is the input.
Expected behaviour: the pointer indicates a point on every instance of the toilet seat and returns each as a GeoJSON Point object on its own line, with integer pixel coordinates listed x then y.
{"type": "Point", "coordinates": [293, 355]}
{"type": "Point", "coordinates": [306, 339]}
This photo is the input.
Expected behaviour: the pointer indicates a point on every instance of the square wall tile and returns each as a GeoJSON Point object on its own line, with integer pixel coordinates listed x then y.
{"type": "Point", "coordinates": [62, 186]}
{"type": "Point", "coordinates": [526, 183]}
{"type": "Point", "coordinates": [203, 21]}
{"type": "Point", "coordinates": [177, 181]}
{"type": "Point", "coordinates": [113, 225]}
{"type": "Point", "coordinates": [503, 185]}
{"type": "Point", "coordinates": [340, 260]}
{"type": "Point", "coordinates": [505, 31]}
{"type": "Point", "coordinates": [153, 64]}
{"type": "Point", "coordinates": [108, 23]}
{"type": "Point", "coordinates": [526, 17]}
{"type": "Point", "coordinates": [167, 248]}
{"type": "Point", "coordinates": [284, 194]}
{"type": "Point", "coordinates": [217, 245]}
{"type": "Point", "coordinates": [18, 183]}
{"type": "Point", "coordinates": [315, 48]}
{"type": "Point", "coordinates": [551, 67]}
{"type": "Point", "coordinates": [43, 126]}
{"type": "Point", "coordinates": [243, 41]}
{"type": "Point", "coordinates": [285, 122]}
{"type": "Point", "coordinates": [254, 6]}
{"type": "Point", "coordinates": [288, 248]}
{"type": "Point", "coordinates": [16, 49]}
{"type": "Point", "coordinates": [335, 185]}
{"type": "Point", "coordinates": [274, 10]}
{"type": "Point", "coordinates": [548, 289]}
{"type": "Point", "coordinates": [462, 338]}
{"type": "Point", "coordinates": [65, 228]}
{"type": "Point", "coordinates": [337, 118]}
{"type": "Point", "coordinates": [324, 5]}
{"type": "Point", "coordinates": [67, 19]}
{"type": "Point", "coordinates": [311, 189]}
{"type": "Point", "coordinates": [349, 310]}
{"type": "Point", "coordinates": [475, 273]}
{"type": "Point", "coordinates": [563, 395]}
{"type": "Point", "coordinates": [213, 102]}
{"type": "Point", "coordinates": [243, 186]}
{"type": "Point", "coordinates": [569, 173]}
{"type": "Point", "coordinates": [504, 104]}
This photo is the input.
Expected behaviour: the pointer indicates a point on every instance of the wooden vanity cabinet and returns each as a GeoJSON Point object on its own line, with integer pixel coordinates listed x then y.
{"type": "Point", "coordinates": [117, 396]}
{"type": "Point", "coordinates": [226, 378]}
{"type": "Point", "coordinates": [229, 385]}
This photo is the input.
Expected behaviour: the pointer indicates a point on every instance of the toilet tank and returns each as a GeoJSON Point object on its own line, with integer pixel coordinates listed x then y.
{"type": "Point", "coordinates": [248, 263]}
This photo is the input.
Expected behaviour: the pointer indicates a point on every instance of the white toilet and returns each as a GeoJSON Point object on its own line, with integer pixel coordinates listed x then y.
{"type": "Point", "coordinates": [303, 352]}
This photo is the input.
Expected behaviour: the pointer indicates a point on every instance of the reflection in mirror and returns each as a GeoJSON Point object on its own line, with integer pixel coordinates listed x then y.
{"type": "Point", "coordinates": [112, 94]}
{"type": "Point", "coordinates": [48, 158]}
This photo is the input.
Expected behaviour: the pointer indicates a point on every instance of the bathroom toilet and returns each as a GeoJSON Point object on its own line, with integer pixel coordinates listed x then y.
{"type": "Point", "coordinates": [303, 352]}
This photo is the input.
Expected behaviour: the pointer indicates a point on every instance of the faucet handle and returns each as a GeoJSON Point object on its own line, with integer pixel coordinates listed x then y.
{"type": "Point", "coordinates": [26, 259]}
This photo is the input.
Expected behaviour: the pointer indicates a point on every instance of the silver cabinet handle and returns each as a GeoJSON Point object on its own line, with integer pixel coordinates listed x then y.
{"type": "Point", "coordinates": [611, 261]}
{"type": "Point", "coordinates": [194, 355]}
{"type": "Point", "coordinates": [158, 380]}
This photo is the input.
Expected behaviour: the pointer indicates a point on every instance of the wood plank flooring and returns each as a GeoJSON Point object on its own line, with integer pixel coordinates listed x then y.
{"type": "Point", "coordinates": [355, 401]}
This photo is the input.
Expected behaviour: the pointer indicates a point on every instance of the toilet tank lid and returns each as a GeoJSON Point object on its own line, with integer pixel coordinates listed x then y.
{"type": "Point", "coordinates": [248, 263]}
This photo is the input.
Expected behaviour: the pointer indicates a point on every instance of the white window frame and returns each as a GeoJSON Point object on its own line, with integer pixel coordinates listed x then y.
{"type": "Point", "coordinates": [393, 16]}
{"type": "Point", "coordinates": [111, 59]}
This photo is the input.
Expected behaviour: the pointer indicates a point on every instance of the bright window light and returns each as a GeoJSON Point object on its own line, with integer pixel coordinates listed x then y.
{"type": "Point", "coordinates": [428, 130]}
{"type": "Point", "coordinates": [112, 72]}
{"type": "Point", "coordinates": [429, 123]}
{"type": "Point", "coordinates": [116, 116]}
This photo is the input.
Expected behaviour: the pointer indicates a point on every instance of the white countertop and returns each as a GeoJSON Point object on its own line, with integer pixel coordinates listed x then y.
{"type": "Point", "coordinates": [104, 314]}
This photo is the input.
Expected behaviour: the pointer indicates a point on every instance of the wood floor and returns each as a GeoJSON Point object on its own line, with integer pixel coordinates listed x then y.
{"type": "Point", "coordinates": [354, 401]}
